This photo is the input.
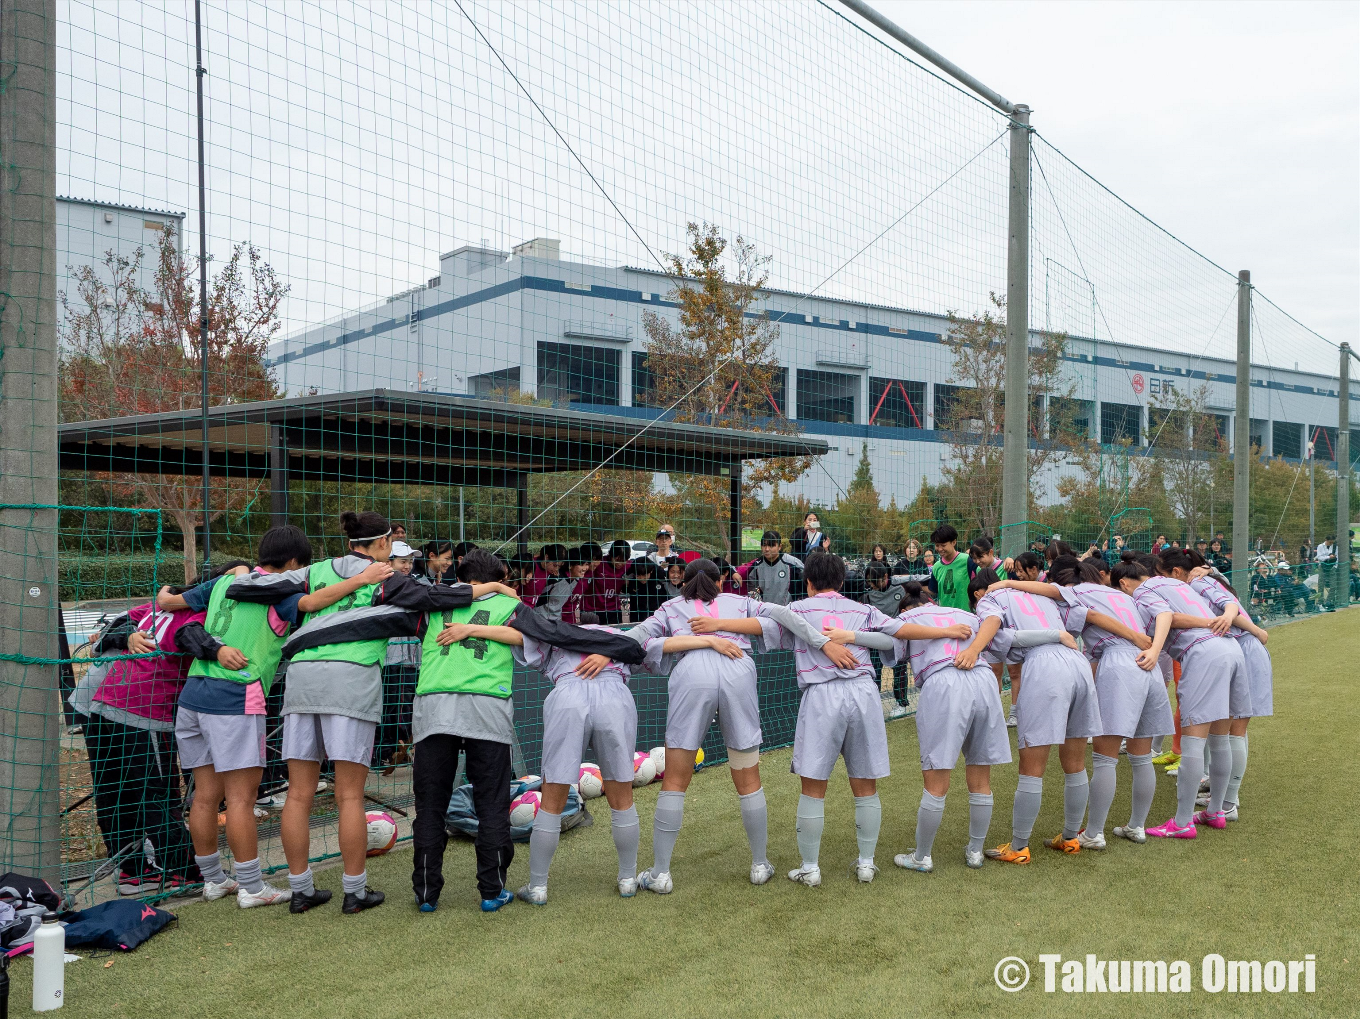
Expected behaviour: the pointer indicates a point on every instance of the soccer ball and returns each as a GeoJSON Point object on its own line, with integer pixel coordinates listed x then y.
{"type": "Point", "coordinates": [658, 756]}
{"type": "Point", "coordinates": [644, 771]}
{"type": "Point", "coordinates": [524, 808]}
{"type": "Point", "coordinates": [382, 831]}
{"type": "Point", "coordinates": [591, 782]}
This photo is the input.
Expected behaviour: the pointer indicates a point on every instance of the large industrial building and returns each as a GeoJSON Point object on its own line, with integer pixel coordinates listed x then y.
{"type": "Point", "coordinates": [492, 322]}
{"type": "Point", "coordinates": [88, 230]}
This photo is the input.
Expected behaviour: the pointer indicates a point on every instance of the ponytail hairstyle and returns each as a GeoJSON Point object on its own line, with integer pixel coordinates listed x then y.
{"type": "Point", "coordinates": [1128, 568]}
{"type": "Point", "coordinates": [914, 593]}
{"type": "Point", "coordinates": [701, 581]}
{"type": "Point", "coordinates": [1091, 573]}
{"type": "Point", "coordinates": [1196, 560]}
{"type": "Point", "coordinates": [364, 528]}
{"type": "Point", "coordinates": [982, 580]}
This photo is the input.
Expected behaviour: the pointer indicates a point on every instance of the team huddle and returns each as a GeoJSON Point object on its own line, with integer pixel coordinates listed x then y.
{"type": "Point", "coordinates": [332, 622]}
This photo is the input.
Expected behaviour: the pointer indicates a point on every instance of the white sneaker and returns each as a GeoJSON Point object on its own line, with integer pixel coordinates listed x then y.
{"type": "Point", "coordinates": [536, 895]}
{"type": "Point", "coordinates": [898, 711]}
{"type": "Point", "coordinates": [1011, 723]}
{"type": "Point", "coordinates": [1173, 771]}
{"type": "Point", "coordinates": [628, 887]}
{"type": "Point", "coordinates": [1096, 841]}
{"type": "Point", "coordinates": [1202, 800]}
{"type": "Point", "coordinates": [1230, 813]}
{"type": "Point", "coordinates": [908, 861]}
{"type": "Point", "coordinates": [266, 896]}
{"type": "Point", "coordinates": [212, 892]}
{"type": "Point", "coordinates": [1123, 746]}
{"type": "Point", "coordinates": [865, 871]}
{"type": "Point", "coordinates": [808, 874]}
{"type": "Point", "coordinates": [659, 883]}
{"type": "Point", "coordinates": [1138, 835]}
{"type": "Point", "coordinates": [761, 872]}
{"type": "Point", "coordinates": [973, 859]}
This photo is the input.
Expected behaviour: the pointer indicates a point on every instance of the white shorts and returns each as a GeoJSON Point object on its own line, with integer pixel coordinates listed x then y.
{"type": "Point", "coordinates": [1214, 683]}
{"type": "Point", "coordinates": [842, 718]}
{"type": "Point", "coordinates": [704, 684]}
{"type": "Point", "coordinates": [1057, 699]}
{"type": "Point", "coordinates": [958, 712]}
{"type": "Point", "coordinates": [318, 737]}
{"type": "Point", "coordinates": [1133, 703]}
{"type": "Point", "coordinates": [222, 742]}
{"type": "Point", "coordinates": [1260, 676]}
{"type": "Point", "coordinates": [589, 712]}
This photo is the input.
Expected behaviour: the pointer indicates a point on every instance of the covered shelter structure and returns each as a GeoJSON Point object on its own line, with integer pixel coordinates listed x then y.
{"type": "Point", "coordinates": [410, 438]}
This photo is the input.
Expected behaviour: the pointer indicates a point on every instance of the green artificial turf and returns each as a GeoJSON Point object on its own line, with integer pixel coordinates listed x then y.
{"type": "Point", "coordinates": [1276, 885]}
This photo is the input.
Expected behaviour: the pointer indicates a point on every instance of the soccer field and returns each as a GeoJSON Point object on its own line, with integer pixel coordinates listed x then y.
{"type": "Point", "coordinates": [1277, 885]}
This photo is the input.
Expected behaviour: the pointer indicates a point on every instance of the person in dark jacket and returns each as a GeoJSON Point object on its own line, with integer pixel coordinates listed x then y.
{"type": "Point", "coordinates": [645, 591]}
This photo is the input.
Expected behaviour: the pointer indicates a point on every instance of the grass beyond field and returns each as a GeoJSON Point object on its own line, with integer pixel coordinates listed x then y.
{"type": "Point", "coordinates": [1277, 885]}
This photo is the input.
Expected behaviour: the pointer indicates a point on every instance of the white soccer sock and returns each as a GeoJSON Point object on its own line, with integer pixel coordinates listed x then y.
{"type": "Point", "coordinates": [868, 821]}
{"type": "Point", "coordinates": [1239, 768]}
{"type": "Point", "coordinates": [928, 817]}
{"type": "Point", "coordinates": [811, 820]}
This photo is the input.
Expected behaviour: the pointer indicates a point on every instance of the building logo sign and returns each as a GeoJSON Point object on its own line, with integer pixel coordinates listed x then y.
{"type": "Point", "coordinates": [1138, 383]}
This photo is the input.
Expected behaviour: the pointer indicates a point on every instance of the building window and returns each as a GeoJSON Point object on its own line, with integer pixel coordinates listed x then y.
{"type": "Point", "coordinates": [827, 396]}
{"type": "Point", "coordinates": [644, 381]}
{"type": "Point", "coordinates": [1286, 439]}
{"type": "Point", "coordinates": [1324, 442]}
{"type": "Point", "coordinates": [1219, 435]}
{"type": "Point", "coordinates": [1257, 430]}
{"type": "Point", "coordinates": [574, 373]}
{"type": "Point", "coordinates": [946, 404]}
{"type": "Point", "coordinates": [1068, 418]}
{"type": "Point", "coordinates": [897, 403]}
{"type": "Point", "coordinates": [498, 385]}
{"type": "Point", "coordinates": [1167, 428]}
{"type": "Point", "coordinates": [1120, 422]}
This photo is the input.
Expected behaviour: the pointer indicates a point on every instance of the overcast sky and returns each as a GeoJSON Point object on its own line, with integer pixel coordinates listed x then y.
{"type": "Point", "coordinates": [1236, 126]}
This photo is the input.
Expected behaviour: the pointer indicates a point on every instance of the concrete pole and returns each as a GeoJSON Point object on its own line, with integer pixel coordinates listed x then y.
{"type": "Point", "coordinates": [1241, 528]}
{"type": "Point", "coordinates": [1015, 453]}
{"type": "Point", "coordinates": [30, 705]}
{"type": "Point", "coordinates": [1343, 483]}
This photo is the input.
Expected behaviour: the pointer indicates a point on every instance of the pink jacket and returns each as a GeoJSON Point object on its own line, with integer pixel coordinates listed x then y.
{"type": "Point", "coordinates": [149, 687]}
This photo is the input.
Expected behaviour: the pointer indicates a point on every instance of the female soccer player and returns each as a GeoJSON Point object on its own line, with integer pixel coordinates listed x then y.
{"type": "Point", "coordinates": [333, 698]}
{"type": "Point", "coordinates": [704, 682]}
{"type": "Point", "coordinates": [1213, 688]}
{"type": "Point", "coordinates": [1057, 706]}
{"type": "Point", "coordinates": [1252, 639]}
{"type": "Point", "coordinates": [1129, 687]}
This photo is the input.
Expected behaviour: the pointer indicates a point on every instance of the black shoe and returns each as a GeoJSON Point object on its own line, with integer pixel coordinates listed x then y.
{"type": "Point", "coordinates": [302, 903]}
{"type": "Point", "coordinates": [354, 904]}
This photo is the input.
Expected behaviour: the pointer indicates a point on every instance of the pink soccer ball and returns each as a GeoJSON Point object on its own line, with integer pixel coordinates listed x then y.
{"type": "Point", "coordinates": [382, 831]}
{"type": "Point", "coordinates": [644, 771]}
{"type": "Point", "coordinates": [524, 808]}
{"type": "Point", "coordinates": [591, 781]}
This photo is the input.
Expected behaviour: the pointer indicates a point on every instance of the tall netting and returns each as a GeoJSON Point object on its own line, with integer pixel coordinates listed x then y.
{"type": "Point", "coordinates": [556, 278]}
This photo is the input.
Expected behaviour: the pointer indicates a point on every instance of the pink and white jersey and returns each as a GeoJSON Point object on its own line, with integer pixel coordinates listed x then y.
{"type": "Point", "coordinates": [1081, 598]}
{"type": "Point", "coordinates": [930, 656]}
{"type": "Point", "coordinates": [672, 620]}
{"type": "Point", "coordinates": [832, 609]}
{"type": "Point", "coordinates": [558, 663]}
{"type": "Point", "coordinates": [1166, 594]}
{"type": "Point", "coordinates": [1219, 598]}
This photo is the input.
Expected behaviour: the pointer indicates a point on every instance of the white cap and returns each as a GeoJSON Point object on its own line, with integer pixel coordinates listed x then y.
{"type": "Point", "coordinates": [400, 550]}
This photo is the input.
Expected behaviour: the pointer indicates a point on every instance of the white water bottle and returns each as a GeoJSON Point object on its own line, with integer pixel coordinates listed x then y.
{"type": "Point", "coordinates": [49, 964]}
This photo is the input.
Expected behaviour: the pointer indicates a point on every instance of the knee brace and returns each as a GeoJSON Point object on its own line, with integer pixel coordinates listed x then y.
{"type": "Point", "coordinates": [740, 760]}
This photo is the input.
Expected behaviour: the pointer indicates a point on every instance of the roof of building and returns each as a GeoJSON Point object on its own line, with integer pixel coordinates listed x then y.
{"type": "Point", "coordinates": [115, 205]}
{"type": "Point", "coordinates": [414, 438]}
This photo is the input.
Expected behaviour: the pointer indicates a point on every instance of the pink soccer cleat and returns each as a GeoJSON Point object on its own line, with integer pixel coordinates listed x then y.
{"type": "Point", "coordinates": [1219, 820]}
{"type": "Point", "coordinates": [1171, 830]}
